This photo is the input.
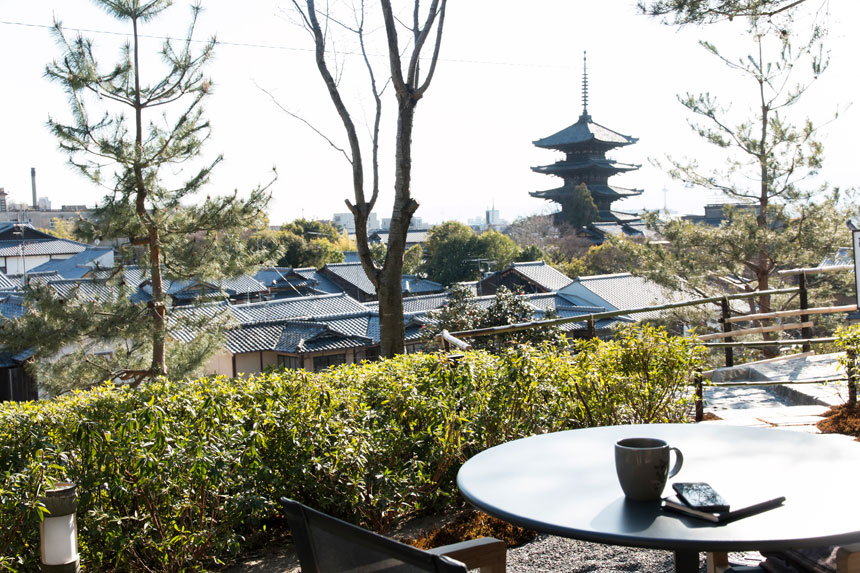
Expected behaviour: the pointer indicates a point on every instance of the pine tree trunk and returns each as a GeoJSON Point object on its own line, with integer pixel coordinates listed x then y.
{"type": "Point", "coordinates": [157, 308]}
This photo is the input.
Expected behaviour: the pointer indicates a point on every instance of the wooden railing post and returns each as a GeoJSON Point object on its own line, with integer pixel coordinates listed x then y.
{"type": "Point", "coordinates": [700, 398]}
{"type": "Point", "coordinates": [727, 327]}
{"type": "Point", "coordinates": [805, 332]}
{"type": "Point", "coordinates": [852, 378]}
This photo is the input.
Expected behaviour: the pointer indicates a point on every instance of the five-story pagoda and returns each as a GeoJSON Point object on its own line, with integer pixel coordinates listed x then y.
{"type": "Point", "coordinates": [585, 144]}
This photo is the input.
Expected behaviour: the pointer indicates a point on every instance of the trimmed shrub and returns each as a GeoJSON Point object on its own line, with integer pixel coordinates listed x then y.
{"type": "Point", "coordinates": [174, 476]}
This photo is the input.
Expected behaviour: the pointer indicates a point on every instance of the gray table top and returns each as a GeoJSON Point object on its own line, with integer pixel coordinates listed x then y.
{"type": "Point", "coordinates": [565, 484]}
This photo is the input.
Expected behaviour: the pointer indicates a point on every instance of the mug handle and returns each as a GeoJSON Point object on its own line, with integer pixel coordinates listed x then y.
{"type": "Point", "coordinates": [679, 461]}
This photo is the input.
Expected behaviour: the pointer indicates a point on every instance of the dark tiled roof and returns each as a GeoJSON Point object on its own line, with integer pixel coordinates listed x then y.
{"type": "Point", "coordinates": [9, 360]}
{"type": "Point", "coordinates": [283, 277]}
{"type": "Point", "coordinates": [12, 306]}
{"type": "Point", "coordinates": [254, 338]}
{"type": "Point", "coordinates": [413, 323]}
{"type": "Point", "coordinates": [625, 291]}
{"type": "Point", "coordinates": [7, 284]}
{"type": "Point", "coordinates": [84, 289]}
{"type": "Point", "coordinates": [420, 303]}
{"type": "Point", "coordinates": [353, 274]}
{"type": "Point", "coordinates": [40, 247]}
{"type": "Point", "coordinates": [322, 284]}
{"type": "Point", "coordinates": [542, 274]}
{"type": "Point", "coordinates": [232, 286]}
{"type": "Point", "coordinates": [583, 131]}
{"type": "Point", "coordinates": [133, 275]}
{"type": "Point", "coordinates": [842, 256]}
{"type": "Point", "coordinates": [291, 308]}
{"type": "Point", "coordinates": [413, 284]}
{"type": "Point", "coordinates": [76, 266]}
{"type": "Point", "coordinates": [12, 231]}
{"type": "Point", "coordinates": [300, 336]}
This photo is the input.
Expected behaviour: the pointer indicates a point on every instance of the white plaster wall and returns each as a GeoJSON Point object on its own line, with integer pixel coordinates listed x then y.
{"type": "Point", "coordinates": [221, 364]}
{"type": "Point", "coordinates": [270, 359]}
{"type": "Point", "coordinates": [247, 364]}
{"type": "Point", "coordinates": [17, 265]}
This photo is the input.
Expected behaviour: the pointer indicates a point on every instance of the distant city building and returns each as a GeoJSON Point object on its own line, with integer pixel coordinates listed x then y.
{"type": "Point", "coordinates": [413, 237]}
{"type": "Point", "coordinates": [417, 223]}
{"type": "Point", "coordinates": [40, 217]}
{"type": "Point", "coordinates": [715, 213]}
{"type": "Point", "coordinates": [585, 144]}
{"type": "Point", "coordinates": [347, 221]}
{"type": "Point", "coordinates": [490, 220]}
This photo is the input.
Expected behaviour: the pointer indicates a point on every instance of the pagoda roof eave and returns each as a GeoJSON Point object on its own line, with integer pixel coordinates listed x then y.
{"type": "Point", "coordinates": [607, 191]}
{"type": "Point", "coordinates": [607, 165]}
{"type": "Point", "coordinates": [584, 131]}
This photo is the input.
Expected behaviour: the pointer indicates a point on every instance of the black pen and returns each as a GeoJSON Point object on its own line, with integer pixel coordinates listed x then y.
{"type": "Point", "coordinates": [751, 510]}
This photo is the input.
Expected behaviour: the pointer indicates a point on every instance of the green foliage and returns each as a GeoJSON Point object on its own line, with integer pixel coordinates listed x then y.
{"type": "Point", "coordinates": [848, 341]}
{"type": "Point", "coordinates": [497, 248]}
{"type": "Point", "coordinates": [801, 237]}
{"type": "Point", "coordinates": [175, 476]}
{"type": "Point", "coordinates": [297, 247]}
{"type": "Point", "coordinates": [635, 378]}
{"type": "Point", "coordinates": [63, 228]}
{"type": "Point", "coordinates": [579, 209]}
{"type": "Point", "coordinates": [461, 312]}
{"type": "Point", "coordinates": [454, 253]}
{"type": "Point", "coordinates": [765, 158]}
{"type": "Point", "coordinates": [310, 230]}
{"type": "Point", "coordinates": [412, 260]}
{"type": "Point", "coordinates": [448, 253]}
{"type": "Point", "coordinates": [616, 255]}
{"type": "Point", "coordinates": [530, 253]}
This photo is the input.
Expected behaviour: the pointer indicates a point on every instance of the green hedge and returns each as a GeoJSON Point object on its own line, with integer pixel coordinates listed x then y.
{"type": "Point", "coordinates": [174, 475]}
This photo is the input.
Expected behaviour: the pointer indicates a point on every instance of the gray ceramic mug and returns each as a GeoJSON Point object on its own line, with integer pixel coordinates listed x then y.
{"type": "Point", "coordinates": [642, 465]}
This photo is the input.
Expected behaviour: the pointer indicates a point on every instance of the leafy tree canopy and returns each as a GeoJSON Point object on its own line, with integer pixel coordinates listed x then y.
{"type": "Point", "coordinates": [579, 209]}
{"type": "Point", "coordinates": [453, 253]}
{"type": "Point", "coordinates": [461, 312]}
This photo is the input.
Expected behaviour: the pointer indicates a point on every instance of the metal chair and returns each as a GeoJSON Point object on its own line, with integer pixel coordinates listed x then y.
{"type": "Point", "coordinates": [328, 545]}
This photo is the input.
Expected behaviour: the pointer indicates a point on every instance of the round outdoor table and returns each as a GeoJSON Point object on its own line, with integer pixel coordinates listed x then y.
{"type": "Point", "coordinates": [565, 484]}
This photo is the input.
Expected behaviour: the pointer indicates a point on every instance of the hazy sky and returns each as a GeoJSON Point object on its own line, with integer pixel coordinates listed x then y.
{"type": "Point", "coordinates": [510, 73]}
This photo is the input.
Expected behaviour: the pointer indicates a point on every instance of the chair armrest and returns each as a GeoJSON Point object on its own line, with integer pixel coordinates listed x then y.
{"type": "Point", "coordinates": [848, 558]}
{"type": "Point", "coordinates": [485, 553]}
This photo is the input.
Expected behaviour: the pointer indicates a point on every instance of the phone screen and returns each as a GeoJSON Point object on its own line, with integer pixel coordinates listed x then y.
{"type": "Point", "coordinates": [700, 495]}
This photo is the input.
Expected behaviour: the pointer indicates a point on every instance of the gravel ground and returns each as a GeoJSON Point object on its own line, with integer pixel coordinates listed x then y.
{"type": "Point", "coordinates": [556, 554]}
{"type": "Point", "coordinates": [549, 554]}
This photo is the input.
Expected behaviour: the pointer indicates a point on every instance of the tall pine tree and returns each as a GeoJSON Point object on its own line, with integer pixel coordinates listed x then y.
{"type": "Point", "coordinates": [149, 129]}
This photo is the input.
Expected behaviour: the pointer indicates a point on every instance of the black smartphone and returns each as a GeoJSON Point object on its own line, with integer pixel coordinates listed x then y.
{"type": "Point", "coordinates": [701, 496]}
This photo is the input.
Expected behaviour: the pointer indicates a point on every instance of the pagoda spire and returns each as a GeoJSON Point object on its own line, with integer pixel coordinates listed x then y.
{"type": "Point", "coordinates": [585, 86]}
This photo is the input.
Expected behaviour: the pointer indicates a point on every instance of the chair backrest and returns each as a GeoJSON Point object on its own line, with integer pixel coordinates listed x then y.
{"type": "Point", "coordinates": [328, 545]}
